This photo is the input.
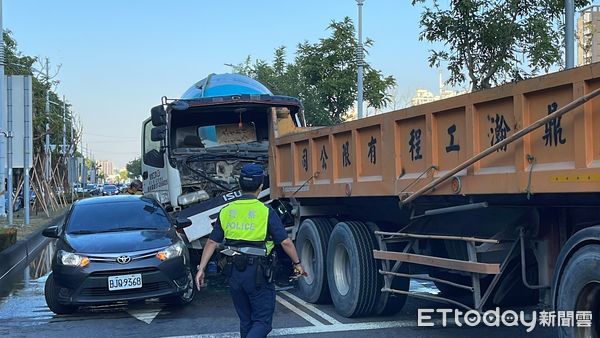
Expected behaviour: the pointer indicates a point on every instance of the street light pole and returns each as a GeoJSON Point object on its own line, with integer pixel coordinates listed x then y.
{"type": "Point", "coordinates": [64, 143]}
{"type": "Point", "coordinates": [569, 34]}
{"type": "Point", "coordinates": [359, 61]}
{"type": "Point", "coordinates": [2, 153]}
{"type": "Point", "coordinates": [47, 146]}
{"type": "Point", "coordinates": [27, 153]}
{"type": "Point", "coordinates": [9, 151]}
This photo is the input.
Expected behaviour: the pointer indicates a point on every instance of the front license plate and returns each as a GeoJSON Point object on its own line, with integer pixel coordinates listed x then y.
{"type": "Point", "coordinates": [124, 282]}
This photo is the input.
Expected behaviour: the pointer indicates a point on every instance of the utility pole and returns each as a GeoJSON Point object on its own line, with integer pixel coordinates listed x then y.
{"type": "Point", "coordinates": [359, 61]}
{"type": "Point", "coordinates": [569, 34]}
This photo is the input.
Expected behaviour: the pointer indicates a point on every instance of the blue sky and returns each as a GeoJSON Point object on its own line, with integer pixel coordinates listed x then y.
{"type": "Point", "coordinates": [120, 57]}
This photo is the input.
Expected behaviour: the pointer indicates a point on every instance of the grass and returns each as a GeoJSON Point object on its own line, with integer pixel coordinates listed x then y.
{"type": "Point", "coordinates": [37, 220]}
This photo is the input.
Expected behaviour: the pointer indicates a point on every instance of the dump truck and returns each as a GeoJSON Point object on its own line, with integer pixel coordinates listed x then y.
{"type": "Point", "coordinates": [491, 195]}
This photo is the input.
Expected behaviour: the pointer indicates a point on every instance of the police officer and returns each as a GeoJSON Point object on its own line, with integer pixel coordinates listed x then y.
{"type": "Point", "coordinates": [247, 222]}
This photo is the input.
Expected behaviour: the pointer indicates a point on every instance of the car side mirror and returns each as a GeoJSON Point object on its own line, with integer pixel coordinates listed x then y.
{"type": "Point", "coordinates": [158, 133]}
{"type": "Point", "coordinates": [182, 222]}
{"type": "Point", "coordinates": [158, 116]}
{"type": "Point", "coordinates": [51, 232]}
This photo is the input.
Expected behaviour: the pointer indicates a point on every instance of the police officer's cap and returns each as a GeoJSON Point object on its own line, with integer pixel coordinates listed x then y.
{"type": "Point", "coordinates": [252, 173]}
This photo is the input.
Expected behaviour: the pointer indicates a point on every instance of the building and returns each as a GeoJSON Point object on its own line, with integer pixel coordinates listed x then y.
{"type": "Point", "coordinates": [588, 35]}
{"type": "Point", "coordinates": [106, 167]}
{"type": "Point", "coordinates": [423, 96]}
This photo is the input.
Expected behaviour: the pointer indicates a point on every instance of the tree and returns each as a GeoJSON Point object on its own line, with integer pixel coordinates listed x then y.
{"type": "Point", "coordinates": [123, 175]}
{"type": "Point", "coordinates": [134, 168]}
{"type": "Point", "coordinates": [18, 64]}
{"type": "Point", "coordinates": [322, 75]}
{"type": "Point", "coordinates": [492, 42]}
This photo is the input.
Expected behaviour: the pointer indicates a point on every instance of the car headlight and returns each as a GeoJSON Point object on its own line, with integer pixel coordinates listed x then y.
{"type": "Point", "coordinates": [172, 251]}
{"type": "Point", "coordinates": [71, 259]}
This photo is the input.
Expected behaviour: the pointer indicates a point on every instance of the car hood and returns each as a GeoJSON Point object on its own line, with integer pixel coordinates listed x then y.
{"type": "Point", "coordinates": [123, 241]}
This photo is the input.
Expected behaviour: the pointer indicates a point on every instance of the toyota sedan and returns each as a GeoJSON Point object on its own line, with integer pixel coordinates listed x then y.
{"type": "Point", "coordinates": [118, 248]}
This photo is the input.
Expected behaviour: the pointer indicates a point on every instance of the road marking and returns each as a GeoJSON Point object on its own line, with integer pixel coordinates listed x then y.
{"type": "Point", "coordinates": [311, 308]}
{"type": "Point", "coordinates": [146, 314]}
{"type": "Point", "coordinates": [316, 329]}
{"type": "Point", "coordinates": [299, 312]}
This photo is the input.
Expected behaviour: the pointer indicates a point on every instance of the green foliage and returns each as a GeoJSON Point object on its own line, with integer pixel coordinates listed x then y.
{"type": "Point", "coordinates": [19, 64]}
{"type": "Point", "coordinates": [492, 42]}
{"type": "Point", "coordinates": [134, 168]}
{"type": "Point", "coordinates": [322, 75]}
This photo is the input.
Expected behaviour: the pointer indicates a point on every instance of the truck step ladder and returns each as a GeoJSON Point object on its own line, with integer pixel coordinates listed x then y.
{"type": "Point", "coordinates": [471, 266]}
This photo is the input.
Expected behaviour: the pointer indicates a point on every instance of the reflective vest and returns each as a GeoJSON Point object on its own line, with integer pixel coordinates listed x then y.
{"type": "Point", "coordinates": [246, 221]}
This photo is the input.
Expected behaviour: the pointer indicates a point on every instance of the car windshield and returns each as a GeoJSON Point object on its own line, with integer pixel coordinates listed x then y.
{"type": "Point", "coordinates": [110, 187]}
{"type": "Point", "coordinates": [117, 216]}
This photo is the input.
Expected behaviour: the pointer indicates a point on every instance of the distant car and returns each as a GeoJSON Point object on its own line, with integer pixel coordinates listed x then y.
{"type": "Point", "coordinates": [120, 248]}
{"type": "Point", "coordinates": [110, 190]}
{"type": "Point", "coordinates": [91, 189]}
{"type": "Point", "coordinates": [78, 189]}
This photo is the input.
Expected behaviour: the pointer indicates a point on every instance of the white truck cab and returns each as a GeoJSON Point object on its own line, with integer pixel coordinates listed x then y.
{"type": "Point", "coordinates": [193, 148]}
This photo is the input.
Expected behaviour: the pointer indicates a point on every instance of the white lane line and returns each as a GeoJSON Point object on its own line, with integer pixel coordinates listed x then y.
{"type": "Point", "coordinates": [343, 327]}
{"type": "Point", "coordinates": [299, 312]}
{"type": "Point", "coordinates": [310, 307]}
{"type": "Point", "coordinates": [318, 329]}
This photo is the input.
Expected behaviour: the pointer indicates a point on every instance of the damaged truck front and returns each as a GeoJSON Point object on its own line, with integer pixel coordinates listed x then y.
{"type": "Point", "coordinates": [193, 148]}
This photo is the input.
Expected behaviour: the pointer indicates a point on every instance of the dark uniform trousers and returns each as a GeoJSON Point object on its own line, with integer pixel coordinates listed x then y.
{"type": "Point", "coordinates": [254, 301]}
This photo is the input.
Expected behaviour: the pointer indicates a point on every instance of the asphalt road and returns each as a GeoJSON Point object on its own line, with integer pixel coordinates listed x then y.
{"type": "Point", "coordinates": [23, 313]}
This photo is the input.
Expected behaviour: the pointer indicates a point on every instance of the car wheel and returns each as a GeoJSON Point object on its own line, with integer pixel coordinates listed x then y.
{"type": "Point", "coordinates": [187, 296]}
{"type": "Point", "coordinates": [51, 290]}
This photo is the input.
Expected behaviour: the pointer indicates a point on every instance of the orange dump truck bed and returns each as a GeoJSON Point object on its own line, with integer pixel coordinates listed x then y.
{"type": "Point", "coordinates": [401, 151]}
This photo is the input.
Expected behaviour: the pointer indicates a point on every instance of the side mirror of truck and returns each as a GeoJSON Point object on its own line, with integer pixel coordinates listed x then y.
{"type": "Point", "coordinates": [159, 116]}
{"type": "Point", "coordinates": [158, 133]}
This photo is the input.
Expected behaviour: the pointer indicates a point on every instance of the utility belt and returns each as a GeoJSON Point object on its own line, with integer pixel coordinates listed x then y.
{"type": "Point", "coordinates": [241, 261]}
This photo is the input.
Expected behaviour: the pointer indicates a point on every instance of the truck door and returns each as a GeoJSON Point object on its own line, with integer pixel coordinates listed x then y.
{"type": "Point", "coordinates": [154, 171]}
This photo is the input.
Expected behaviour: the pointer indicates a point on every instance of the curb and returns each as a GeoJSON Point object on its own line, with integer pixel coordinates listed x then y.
{"type": "Point", "coordinates": [20, 254]}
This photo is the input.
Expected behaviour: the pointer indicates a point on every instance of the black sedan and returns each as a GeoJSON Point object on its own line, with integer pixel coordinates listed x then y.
{"type": "Point", "coordinates": [109, 190]}
{"type": "Point", "coordinates": [117, 249]}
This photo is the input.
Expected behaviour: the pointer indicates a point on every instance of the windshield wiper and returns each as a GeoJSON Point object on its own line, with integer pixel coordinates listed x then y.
{"type": "Point", "coordinates": [81, 232]}
{"type": "Point", "coordinates": [129, 229]}
{"type": "Point", "coordinates": [87, 232]}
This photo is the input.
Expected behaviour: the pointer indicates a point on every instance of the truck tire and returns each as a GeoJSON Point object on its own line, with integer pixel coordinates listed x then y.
{"type": "Point", "coordinates": [311, 241]}
{"type": "Point", "coordinates": [579, 290]}
{"type": "Point", "coordinates": [51, 290]}
{"type": "Point", "coordinates": [352, 271]}
{"type": "Point", "coordinates": [387, 303]}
